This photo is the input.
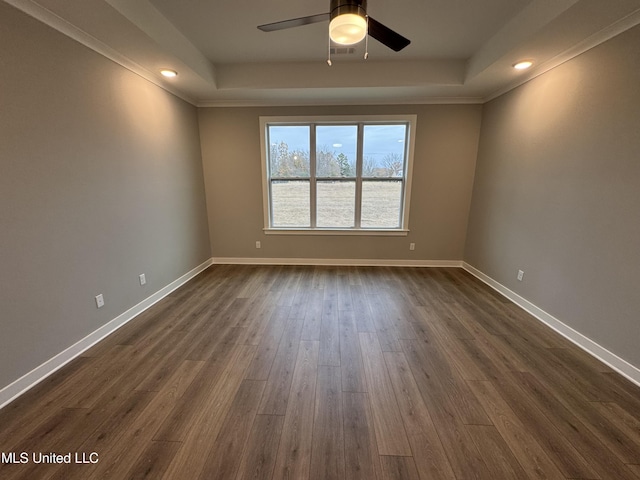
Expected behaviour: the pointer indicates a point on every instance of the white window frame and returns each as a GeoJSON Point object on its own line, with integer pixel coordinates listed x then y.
{"type": "Point", "coordinates": [403, 230]}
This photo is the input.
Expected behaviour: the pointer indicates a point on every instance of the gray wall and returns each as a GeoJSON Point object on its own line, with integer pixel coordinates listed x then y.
{"type": "Point", "coordinates": [100, 180]}
{"type": "Point", "coordinates": [444, 162]}
{"type": "Point", "coordinates": [557, 194]}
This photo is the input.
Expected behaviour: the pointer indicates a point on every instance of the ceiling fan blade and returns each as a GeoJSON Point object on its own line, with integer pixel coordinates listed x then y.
{"type": "Point", "coordinates": [386, 36]}
{"type": "Point", "coordinates": [295, 22]}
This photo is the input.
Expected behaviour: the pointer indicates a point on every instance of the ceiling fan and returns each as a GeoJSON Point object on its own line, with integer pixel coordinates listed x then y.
{"type": "Point", "coordinates": [349, 24]}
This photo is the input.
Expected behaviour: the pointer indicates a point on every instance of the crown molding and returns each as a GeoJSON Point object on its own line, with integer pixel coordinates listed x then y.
{"type": "Point", "coordinates": [585, 45]}
{"type": "Point", "coordinates": [314, 103]}
{"type": "Point", "coordinates": [58, 23]}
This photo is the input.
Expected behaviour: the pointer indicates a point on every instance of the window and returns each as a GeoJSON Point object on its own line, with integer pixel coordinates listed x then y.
{"type": "Point", "coordinates": [330, 175]}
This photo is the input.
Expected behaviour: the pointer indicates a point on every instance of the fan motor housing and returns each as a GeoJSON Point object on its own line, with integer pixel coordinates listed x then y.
{"type": "Point", "coordinates": [340, 7]}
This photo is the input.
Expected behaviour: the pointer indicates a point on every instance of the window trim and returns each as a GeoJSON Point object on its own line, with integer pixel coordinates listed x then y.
{"type": "Point", "coordinates": [265, 121]}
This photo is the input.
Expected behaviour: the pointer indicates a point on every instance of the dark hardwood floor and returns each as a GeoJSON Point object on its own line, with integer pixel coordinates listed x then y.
{"type": "Point", "coordinates": [260, 372]}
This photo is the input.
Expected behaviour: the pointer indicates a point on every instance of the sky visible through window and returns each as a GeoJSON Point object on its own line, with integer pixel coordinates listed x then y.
{"type": "Point", "coordinates": [380, 141]}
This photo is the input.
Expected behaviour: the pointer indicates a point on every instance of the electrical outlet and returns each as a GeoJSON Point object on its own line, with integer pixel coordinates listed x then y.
{"type": "Point", "coordinates": [258, 245]}
{"type": "Point", "coordinates": [412, 246]}
{"type": "Point", "coordinates": [520, 275]}
{"type": "Point", "coordinates": [99, 301]}
{"type": "Point", "coordinates": [143, 278]}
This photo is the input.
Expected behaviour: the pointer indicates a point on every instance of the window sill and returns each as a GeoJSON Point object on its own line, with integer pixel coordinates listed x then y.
{"type": "Point", "coordinates": [337, 232]}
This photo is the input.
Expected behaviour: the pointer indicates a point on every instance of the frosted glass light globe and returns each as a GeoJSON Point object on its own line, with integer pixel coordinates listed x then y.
{"type": "Point", "coordinates": [347, 29]}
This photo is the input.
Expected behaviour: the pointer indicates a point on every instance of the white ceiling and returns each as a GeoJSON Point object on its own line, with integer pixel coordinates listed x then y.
{"type": "Point", "coordinates": [461, 50]}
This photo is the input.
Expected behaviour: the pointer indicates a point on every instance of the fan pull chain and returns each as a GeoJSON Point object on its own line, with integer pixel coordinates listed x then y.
{"type": "Point", "coordinates": [329, 52]}
{"type": "Point", "coordinates": [366, 41]}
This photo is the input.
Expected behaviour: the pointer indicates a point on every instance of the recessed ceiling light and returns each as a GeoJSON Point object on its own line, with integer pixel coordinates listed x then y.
{"type": "Point", "coordinates": [168, 73]}
{"type": "Point", "coordinates": [523, 65]}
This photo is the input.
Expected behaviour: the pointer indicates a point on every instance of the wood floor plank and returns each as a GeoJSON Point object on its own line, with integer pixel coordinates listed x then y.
{"type": "Point", "coordinates": [390, 433]}
{"type": "Point", "coordinates": [464, 458]}
{"type": "Point", "coordinates": [626, 392]}
{"type": "Point", "coordinates": [257, 318]}
{"type": "Point", "coordinates": [430, 457]}
{"type": "Point", "coordinates": [354, 275]}
{"type": "Point", "coordinates": [492, 307]}
{"type": "Point", "coordinates": [120, 458]}
{"type": "Point", "coordinates": [462, 399]}
{"type": "Point", "coordinates": [205, 340]}
{"type": "Point", "coordinates": [252, 287]}
{"type": "Point", "coordinates": [496, 453]}
{"type": "Point", "coordinates": [528, 452]}
{"type": "Point", "coordinates": [578, 391]}
{"type": "Point", "coordinates": [635, 468]}
{"type": "Point", "coordinates": [177, 424]}
{"type": "Point", "coordinates": [362, 461]}
{"type": "Point", "coordinates": [259, 458]}
{"type": "Point", "coordinates": [586, 443]}
{"type": "Point", "coordinates": [345, 302]}
{"type": "Point", "coordinates": [327, 451]}
{"type": "Point", "coordinates": [560, 449]}
{"type": "Point", "coordinates": [26, 412]}
{"type": "Point", "coordinates": [602, 390]}
{"type": "Point", "coordinates": [352, 370]}
{"type": "Point", "coordinates": [398, 468]}
{"type": "Point", "coordinates": [111, 370]}
{"type": "Point", "coordinates": [384, 328]}
{"type": "Point", "coordinates": [329, 332]}
{"type": "Point", "coordinates": [487, 341]}
{"type": "Point", "coordinates": [154, 461]}
{"type": "Point", "coordinates": [371, 280]}
{"type": "Point", "coordinates": [313, 316]}
{"type": "Point", "coordinates": [108, 433]}
{"type": "Point", "coordinates": [294, 453]}
{"type": "Point", "coordinates": [276, 392]}
{"type": "Point", "coordinates": [290, 286]}
{"type": "Point", "coordinates": [451, 345]}
{"type": "Point", "coordinates": [268, 346]}
{"type": "Point", "coordinates": [364, 321]}
{"type": "Point", "coordinates": [623, 420]}
{"type": "Point", "coordinates": [49, 436]}
{"type": "Point", "coordinates": [161, 316]}
{"type": "Point", "coordinates": [190, 459]}
{"type": "Point", "coordinates": [300, 301]}
{"type": "Point", "coordinates": [397, 314]}
{"type": "Point", "coordinates": [225, 455]}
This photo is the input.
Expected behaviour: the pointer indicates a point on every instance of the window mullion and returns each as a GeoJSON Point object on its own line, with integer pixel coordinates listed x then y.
{"type": "Point", "coordinates": [359, 162]}
{"type": "Point", "coordinates": [312, 175]}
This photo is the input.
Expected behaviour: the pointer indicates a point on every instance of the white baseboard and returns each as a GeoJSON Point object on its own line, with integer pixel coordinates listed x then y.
{"type": "Point", "coordinates": [35, 376]}
{"type": "Point", "coordinates": [620, 365]}
{"type": "Point", "coordinates": [336, 262]}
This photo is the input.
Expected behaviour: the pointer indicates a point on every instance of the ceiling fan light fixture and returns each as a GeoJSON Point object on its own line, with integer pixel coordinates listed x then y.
{"type": "Point", "coordinates": [348, 28]}
{"type": "Point", "coordinates": [166, 72]}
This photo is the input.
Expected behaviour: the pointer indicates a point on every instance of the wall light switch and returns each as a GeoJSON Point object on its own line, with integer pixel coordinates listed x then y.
{"type": "Point", "coordinates": [520, 275]}
{"type": "Point", "coordinates": [143, 279]}
{"type": "Point", "coordinates": [412, 246]}
{"type": "Point", "coordinates": [258, 245]}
